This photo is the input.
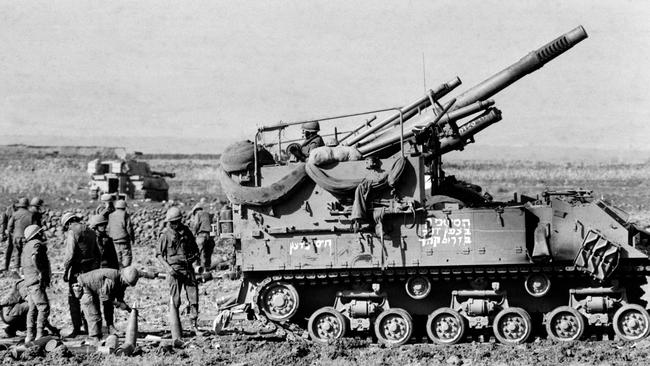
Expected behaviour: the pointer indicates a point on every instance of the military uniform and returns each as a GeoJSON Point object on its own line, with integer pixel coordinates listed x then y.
{"type": "Point", "coordinates": [101, 285]}
{"type": "Point", "coordinates": [120, 229]}
{"type": "Point", "coordinates": [14, 308]}
{"type": "Point", "coordinates": [311, 143]}
{"type": "Point", "coordinates": [16, 227]}
{"type": "Point", "coordinates": [201, 227]}
{"type": "Point", "coordinates": [108, 259]}
{"type": "Point", "coordinates": [178, 249]}
{"type": "Point", "coordinates": [37, 274]}
{"type": "Point", "coordinates": [105, 209]}
{"type": "Point", "coordinates": [6, 215]}
{"type": "Point", "coordinates": [81, 255]}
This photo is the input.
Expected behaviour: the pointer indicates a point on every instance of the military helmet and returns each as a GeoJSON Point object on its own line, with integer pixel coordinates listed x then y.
{"type": "Point", "coordinates": [23, 202]}
{"type": "Point", "coordinates": [130, 275]}
{"type": "Point", "coordinates": [96, 220]}
{"type": "Point", "coordinates": [312, 126]}
{"type": "Point", "coordinates": [106, 197]}
{"type": "Point", "coordinates": [31, 231]}
{"type": "Point", "coordinates": [36, 201]}
{"type": "Point", "coordinates": [197, 207]}
{"type": "Point", "coordinates": [67, 217]}
{"type": "Point", "coordinates": [173, 214]}
{"type": "Point", "coordinates": [120, 204]}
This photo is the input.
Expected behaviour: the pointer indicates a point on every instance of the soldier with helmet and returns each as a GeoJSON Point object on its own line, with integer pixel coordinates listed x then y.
{"type": "Point", "coordinates": [15, 307]}
{"type": "Point", "coordinates": [6, 215]}
{"type": "Point", "coordinates": [35, 206]}
{"type": "Point", "coordinates": [103, 285]}
{"type": "Point", "coordinates": [81, 255]}
{"type": "Point", "coordinates": [107, 259]}
{"type": "Point", "coordinates": [177, 251]}
{"type": "Point", "coordinates": [37, 275]}
{"type": "Point", "coordinates": [106, 207]}
{"type": "Point", "coordinates": [312, 140]}
{"type": "Point", "coordinates": [120, 229]}
{"type": "Point", "coordinates": [201, 226]}
{"type": "Point", "coordinates": [18, 222]}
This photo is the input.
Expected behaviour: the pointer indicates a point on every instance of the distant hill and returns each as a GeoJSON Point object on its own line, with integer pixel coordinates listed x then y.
{"type": "Point", "coordinates": [171, 147]}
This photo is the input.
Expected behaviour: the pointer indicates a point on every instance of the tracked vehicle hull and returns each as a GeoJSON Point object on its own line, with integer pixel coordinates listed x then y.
{"type": "Point", "coordinates": [390, 246]}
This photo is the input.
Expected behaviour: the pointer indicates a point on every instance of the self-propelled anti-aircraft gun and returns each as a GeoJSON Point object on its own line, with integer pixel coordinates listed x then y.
{"type": "Point", "coordinates": [370, 235]}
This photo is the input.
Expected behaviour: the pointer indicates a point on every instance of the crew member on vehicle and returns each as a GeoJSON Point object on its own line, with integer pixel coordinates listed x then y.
{"type": "Point", "coordinates": [81, 255]}
{"type": "Point", "coordinates": [18, 222]}
{"type": "Point", "coordinates": [102, 286]}
{"type": "Point", "coordinates": [120, 229]}
{"type": "Point", "coordinates": [312, 140]}
{"type": "Point", "coordinates": [201, 226]}
{"type": "Point", "coordinates": [177, 251]}
{"type": "Point", "coordinates": [37, 274]}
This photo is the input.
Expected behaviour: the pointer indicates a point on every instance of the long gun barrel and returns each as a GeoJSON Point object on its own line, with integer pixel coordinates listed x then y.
{"type": "Point", "coordinates": [528, 64]}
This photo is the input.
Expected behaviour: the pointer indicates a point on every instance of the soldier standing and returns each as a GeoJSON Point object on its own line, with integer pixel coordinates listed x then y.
{"type": "Point", "coordinates": [103, 285]}
{"type": "Point", "coordinates": [6, 215]}
{"type": "Point", "coordinates": [81, 255]}
{"type": "Point", "coordinates": [201, 226]}
{"type": "Point", "coordinates": [37, 278]}
{"type": "Point", "coordinates": [18, 222]}
{"type": "Point", "coordinates": [108, 259]}
{"type": "Point", "coordinates": [120, 229]}
{"type": "Point", "coordinates": [35, 206]}
{"type": "Point", "coordinates": [106, 207]}
{"type": "Point", "coordinates": [177, 251]}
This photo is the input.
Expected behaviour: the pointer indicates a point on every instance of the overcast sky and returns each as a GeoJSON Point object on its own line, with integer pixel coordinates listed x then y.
{"type": "Point", "coordinates": [210, 69]}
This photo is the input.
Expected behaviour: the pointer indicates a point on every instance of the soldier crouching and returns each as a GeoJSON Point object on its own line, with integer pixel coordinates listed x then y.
{"type": "Point", "coordinates": [177, 251]}
{"type": "Point", "coordinates": [36, 270]}
{"type": "Point", "coordinates": [103, 285]}
{"type": "Point", "coordinates": [15, 307]}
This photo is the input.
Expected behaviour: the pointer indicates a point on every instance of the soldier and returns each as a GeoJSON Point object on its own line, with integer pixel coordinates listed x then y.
{"type": "Point", "coordinates": [18, 222]}
{"type": "Point", "coordinates": [312, 140]}
{"type": "Point", "coordinates": [106, 207]}
{"type": "Point", "coordinates": [103, 285]}
{"type": "Point", "coordinates": [81, 255]}
{"type": "Point", "coordinates": [37, 278]}
{"type": "Point", "coordinates": [35, 206]}
{"type": "Point", "coordinates": [15, 308]}
{"type": "Point", "coordinates": [6, 215]}
{"type": "Point", "coordinates": [120, 229]}
{"type": "Point", "coordinates": [108, 259]}
{"type": "Point", "coordinates": [201, 226]}
{"type": "Point", "coordinates": [177, 251]}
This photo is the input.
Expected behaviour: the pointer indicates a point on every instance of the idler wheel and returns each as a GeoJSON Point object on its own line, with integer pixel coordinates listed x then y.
{"type": "Point", "coordinates": [279, 301]}
{"type": "Point", "coordinates": [446, 326]}
{"type": "Point", "coordinates": [394, 327]}
{"type": "Point", "coordinates": [565, 324]}
{"type": "Point", "coordinates": [326, 324]}
{"type": "Point", "coordinates": [512, 326]}
{"type": "Point", "coordinates": [631, 322]}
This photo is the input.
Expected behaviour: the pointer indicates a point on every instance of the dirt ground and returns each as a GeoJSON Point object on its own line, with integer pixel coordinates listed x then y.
{"type": "Point", "coordinates": [242, 346]}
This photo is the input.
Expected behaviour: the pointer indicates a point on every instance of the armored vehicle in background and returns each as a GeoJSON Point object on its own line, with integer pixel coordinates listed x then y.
{"type": "Point", "coordinates": [126, 176]}
{"type": "Point", "coordinates": [372, 236]}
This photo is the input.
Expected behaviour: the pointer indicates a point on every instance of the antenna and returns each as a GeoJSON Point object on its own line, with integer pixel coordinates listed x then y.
{"type": "Point", "coordinates": [424, 74]}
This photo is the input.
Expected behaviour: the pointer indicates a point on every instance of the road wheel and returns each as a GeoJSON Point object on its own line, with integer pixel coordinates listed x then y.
{"type": "Point", "coordinates": [446, 326]}
{"type": "Point", "coordinates": [565, 324]}
{"type": "Point", "coordinates": [394, 327]}
{"type": "Point", "coordinates": [326, 324]}
{"type": "Point", "coordinates": [631, 322]}
{"type": "Point", "coordinates": [279, 301]}
{"type": "Point", "coordinates": [512, 326]}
